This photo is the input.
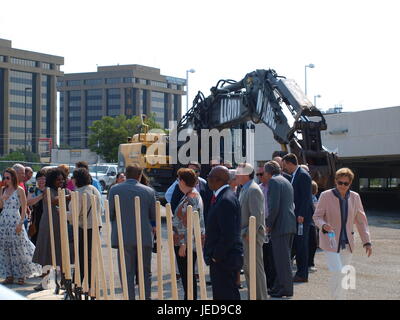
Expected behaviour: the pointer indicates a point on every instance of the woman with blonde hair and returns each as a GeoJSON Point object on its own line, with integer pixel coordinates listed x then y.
{"type": "Point", "coordinates": [337, 211]}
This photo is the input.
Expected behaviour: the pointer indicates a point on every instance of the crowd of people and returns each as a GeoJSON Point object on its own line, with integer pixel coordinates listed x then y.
{"type": "Point", "coordinates": [25, 246]}
{"type": "Point", "coordinates": [291, 223]}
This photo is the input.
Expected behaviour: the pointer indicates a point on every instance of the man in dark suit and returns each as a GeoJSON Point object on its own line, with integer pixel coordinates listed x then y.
{"type": "Point", "coordinates": [304, 210]}
{"type": "Point", "coordinates": [223, 249]}
{"type": "Point", "coordinates": [127, 192]}
{"type": "Point", "coordinates": [281, 225]}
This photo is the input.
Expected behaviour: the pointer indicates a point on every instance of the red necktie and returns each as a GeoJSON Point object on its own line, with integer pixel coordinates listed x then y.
{"type": "Point", "coordinates": [213, 199]}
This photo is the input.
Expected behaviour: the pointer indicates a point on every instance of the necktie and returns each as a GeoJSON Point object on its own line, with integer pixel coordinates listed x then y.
{"type": "Point", "coordinates": [213, 199]}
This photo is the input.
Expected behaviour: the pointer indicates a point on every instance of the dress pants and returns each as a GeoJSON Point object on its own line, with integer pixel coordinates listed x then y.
{"type": "Point", "coordinates": [261, 282]}
{"type": "Point", "coordinates": [131, 264]}
{"type": "Point", "coordinates": [336, 262]}
{"type": "Point", "coordinates": [182, 266]}
{"type": "Point", "coordinates": [301, 247]}
{"type": "Point", "coordinates": [269, 265]}
{"type": "Point", "coordinates": [281, 248]}
{"type": "Point", "coordinates": [312, 245]}
{"type": "Point", "coordinates": [223, 281]}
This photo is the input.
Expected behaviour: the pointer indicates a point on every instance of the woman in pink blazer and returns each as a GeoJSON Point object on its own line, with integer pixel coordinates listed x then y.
{"type": "Point", "coordinates": [338, 210]}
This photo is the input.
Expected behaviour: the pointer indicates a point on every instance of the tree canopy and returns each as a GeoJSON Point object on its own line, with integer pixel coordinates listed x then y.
{"type": "Point", "coordinates": [109, 132]}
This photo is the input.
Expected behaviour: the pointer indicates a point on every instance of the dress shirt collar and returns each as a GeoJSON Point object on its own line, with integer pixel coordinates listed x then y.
{"type": "Point", "coordinates": [216, 193]}
{"type": "Point", "coordinates": [294, 174]}
{"type": "Point", "coordinates": [246, 185]}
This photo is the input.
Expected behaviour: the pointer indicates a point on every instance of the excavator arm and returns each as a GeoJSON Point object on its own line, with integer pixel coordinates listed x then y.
{"type": "Point", "coordinates": [264, 97]}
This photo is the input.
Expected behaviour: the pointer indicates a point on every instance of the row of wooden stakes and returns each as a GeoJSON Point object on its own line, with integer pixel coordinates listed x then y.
{"type": "Point", "coordinates": [99, 288]}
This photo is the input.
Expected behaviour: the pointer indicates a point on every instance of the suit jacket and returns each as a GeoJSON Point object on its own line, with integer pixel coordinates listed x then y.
{"type": "Point", "coordinates": [223, 242]}
{"type": "Point", "coordinates": [328, 211]}
{"type": "Point", "coordinates": [127, 192]}
{"type": "Point", "coordinates": [252, 204]}
{"type": "Point", "coordinates": [287, 176]}
{"type": "Point", "coordinates": [281, 218]}
{"type": "Point", "coordinates": [303, 195]}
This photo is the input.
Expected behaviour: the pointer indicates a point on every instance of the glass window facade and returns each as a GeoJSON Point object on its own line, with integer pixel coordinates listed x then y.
{"type": "Point", "coordinates": [94, 109]}
{"type": "Point", "coordinates": [21, 86]}
{"type": "Point", "coordinates": [45, 106]}
{"type": "Point", "coordinates": [113, 102]}
{"type": "Point", "coordinates": [74, 112]}
{"type": "Point", "coordinates": [158, 106]}
{"type": "Point", "coordinates": [24, 62]}
{"type": "Point", "coordinates": [73, 83]}
{"type": "Point", "coordinates": [130, 102]}
{"type": "Point", "coordinates": [129, 80]}
{"type": "Point", "coordinates": [62, 129]}
{"type": "Point", "coordinates": [141, 81]}
{"type": "Point", "coordinates": [93, 82]}
{"type": "Point", "coordinates": [2, 58]}
{"type": "Point", "coordinates": [113, 80]}
{"type": "Point", "coordinates": [46, 65]}
{"type": "Point", "coordinates": [175, 106]}
{"type": "Point", "coordinates": [158, 84]}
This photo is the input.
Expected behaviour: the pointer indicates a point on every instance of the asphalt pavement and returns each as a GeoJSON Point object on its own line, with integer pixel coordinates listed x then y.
{"type": "Point", "coordinates": [377, 277]}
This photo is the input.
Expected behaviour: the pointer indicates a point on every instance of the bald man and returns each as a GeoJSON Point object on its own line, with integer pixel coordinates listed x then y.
{"type": "Point", "coordinates": [223, 249]}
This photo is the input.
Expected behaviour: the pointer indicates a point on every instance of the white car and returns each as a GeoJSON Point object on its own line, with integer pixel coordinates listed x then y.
{"type": "Point", "coordinates": [105, 173]}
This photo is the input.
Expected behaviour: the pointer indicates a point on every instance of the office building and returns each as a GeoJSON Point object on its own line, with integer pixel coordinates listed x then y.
{"type": "Point", "coordinates": [28, 98]}
{"type": "Point", "coordinates": [129, 90]}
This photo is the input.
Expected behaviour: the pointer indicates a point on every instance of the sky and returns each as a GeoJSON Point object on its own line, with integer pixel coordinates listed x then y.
{"type": "Point", "coordinates": [354, 45]}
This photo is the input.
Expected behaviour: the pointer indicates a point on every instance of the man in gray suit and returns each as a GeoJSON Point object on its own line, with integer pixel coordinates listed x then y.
{"type": "Point", "coordinates": [281, 224]}
{"type": "Point", "coordinates": [127, 191]}
{"type": "Point", "coordinates": [251, 200]}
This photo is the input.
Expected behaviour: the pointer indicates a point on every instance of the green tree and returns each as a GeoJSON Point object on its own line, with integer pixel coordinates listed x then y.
{"type": "Point", "coordinates": [21, 156]}
{"type": "Point", "coordinates": [108, 133]}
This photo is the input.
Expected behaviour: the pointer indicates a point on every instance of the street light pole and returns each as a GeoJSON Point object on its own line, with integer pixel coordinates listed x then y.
{"type": "Point", "coordinates": [305, 76]}
{"type": "Point", "coordinates": [315, 99]}
{"type": "Point", "coordinates": [187, 87]}
{"type": "Point", "coordinates": [26, 89]}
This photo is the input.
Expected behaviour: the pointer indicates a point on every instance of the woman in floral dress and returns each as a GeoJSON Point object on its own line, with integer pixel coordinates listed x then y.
{"type": "Point", "coordinates": [16, 250]}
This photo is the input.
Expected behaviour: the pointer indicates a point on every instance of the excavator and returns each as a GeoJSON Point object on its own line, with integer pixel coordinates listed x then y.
{"type": "Point", "coordinates": [262, 96]}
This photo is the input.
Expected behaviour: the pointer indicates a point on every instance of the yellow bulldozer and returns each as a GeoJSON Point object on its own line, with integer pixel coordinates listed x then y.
{"type": "Point", "coordinates": [149, 150]}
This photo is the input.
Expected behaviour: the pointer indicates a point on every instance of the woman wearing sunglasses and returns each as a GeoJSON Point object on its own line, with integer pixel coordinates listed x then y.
{"type": "Point", "coordinates": [338, 210]}
{"type": "Point", "coordinates": [16, 250]}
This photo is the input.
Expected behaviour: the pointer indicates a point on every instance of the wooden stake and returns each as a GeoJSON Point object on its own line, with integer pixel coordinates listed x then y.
{"type": "Point", "coordinates": [121, 247]}
{"type": "Point", "coordinates": [200, 260]}
{"type": "Point", "coordinates": [252, 257]}
{"type": "Point", "coordinates": [50, 214]}
{"type": "Point", "coordinates": [93, 270]}
{"type": "Point", "coordinates": [85, 245]}
{"type": "Point", "coordinates": [139, 248]}
{"type": "Point", "coordinates": [189, 251]}
{"type": "Point", "coordinates": [100, 260]}
{"type": "Point", "coordinates": [159, 253]}
{"type": "Point", "coordinates": [94, 274]}
{"type": "Point", "coordinates": [75, 223]}
{"type": "Point", "coordinates": [109, 250]}
{"type": "Point", "coordinates": [62, 231]}
{"type": "Point", "coordinates": [65, 242]}
{"type": "Point", "coordinates": [174, 286]}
